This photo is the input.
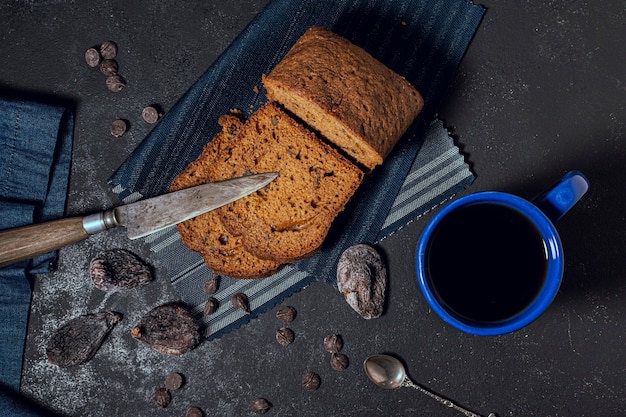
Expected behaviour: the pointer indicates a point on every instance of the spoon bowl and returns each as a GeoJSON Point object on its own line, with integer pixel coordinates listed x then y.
{"type": "Point", "coordinates": [385, 371]}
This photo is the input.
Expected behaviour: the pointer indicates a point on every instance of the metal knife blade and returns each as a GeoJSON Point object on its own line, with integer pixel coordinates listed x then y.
{"type": "Point", "coordinates": [140, 218]}
{"type": "Point", "coordinates": [153, 214]}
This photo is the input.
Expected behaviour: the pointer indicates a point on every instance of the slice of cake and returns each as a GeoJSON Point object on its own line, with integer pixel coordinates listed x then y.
{"type": "Point", "coordinates": [222, 251]}
{"type": "Point", "coordinates": [288, 219]}
{"type": "Point", "coordinates": [348, 96]}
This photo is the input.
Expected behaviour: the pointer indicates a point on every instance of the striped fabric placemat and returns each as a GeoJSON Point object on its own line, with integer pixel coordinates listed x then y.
{"type": "Point", "coordinates": [438, 172]}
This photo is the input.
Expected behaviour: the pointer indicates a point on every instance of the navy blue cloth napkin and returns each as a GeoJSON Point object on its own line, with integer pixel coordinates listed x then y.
{"type": "Point", "coordinates": [424, 40]}
{"type": "Point", "coordinates": [35, 158]}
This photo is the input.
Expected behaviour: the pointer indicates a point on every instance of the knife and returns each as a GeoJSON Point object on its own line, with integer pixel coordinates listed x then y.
{"type": "Point", "coordinates": [140, 218]}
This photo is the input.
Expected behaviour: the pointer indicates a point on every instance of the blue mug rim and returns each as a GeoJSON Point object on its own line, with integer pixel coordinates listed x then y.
{"type": "Point", "coordinates": [550, 287]}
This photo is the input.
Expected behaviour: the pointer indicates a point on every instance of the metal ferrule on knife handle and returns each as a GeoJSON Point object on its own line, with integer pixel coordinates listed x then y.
{"type": "Point", "coordinates": [100, 222]}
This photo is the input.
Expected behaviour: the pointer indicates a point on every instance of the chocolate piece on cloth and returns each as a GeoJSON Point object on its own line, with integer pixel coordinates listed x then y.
{"type": "Point", "coordinates": [35, 158]}
{"type": "Point", "coordinates": [423, 40]}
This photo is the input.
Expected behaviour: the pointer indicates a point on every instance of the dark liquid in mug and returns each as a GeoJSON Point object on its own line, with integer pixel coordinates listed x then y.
{"type": "Point", "coordinates": [487, 262]}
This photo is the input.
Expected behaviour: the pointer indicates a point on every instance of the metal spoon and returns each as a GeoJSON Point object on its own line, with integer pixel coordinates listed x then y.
{"type": "Point", "coordinates": [387, 372]}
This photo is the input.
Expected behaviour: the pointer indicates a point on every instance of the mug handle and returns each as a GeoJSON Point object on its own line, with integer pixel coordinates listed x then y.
{"type": "Point", "coordinates": [562, 196]}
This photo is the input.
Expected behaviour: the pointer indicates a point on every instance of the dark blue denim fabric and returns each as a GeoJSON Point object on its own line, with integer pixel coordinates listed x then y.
{"type": "Point", "coordinates": [35, 159]}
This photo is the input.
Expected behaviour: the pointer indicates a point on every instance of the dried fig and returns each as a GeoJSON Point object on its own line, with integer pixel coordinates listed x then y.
{"type": "Point", "coordinates": [169, 329]}
{"type": "Point", "coordinates": [118, 269]}
{"type": "Point", "coordinates": [362, 279]}
{"type": "Point", "coordinates": [79, 339]}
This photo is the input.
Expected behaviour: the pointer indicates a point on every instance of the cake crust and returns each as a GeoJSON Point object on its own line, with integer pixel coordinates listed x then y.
{"type": "Point", "coordinates": [345, 94]}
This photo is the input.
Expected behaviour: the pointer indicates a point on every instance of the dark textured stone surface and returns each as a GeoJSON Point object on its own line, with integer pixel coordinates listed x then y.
{"type": "Point", "coordinates": [542, 90]}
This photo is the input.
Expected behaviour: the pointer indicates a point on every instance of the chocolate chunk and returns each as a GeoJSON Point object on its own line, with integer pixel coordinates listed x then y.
{"type": "Point", "coordinates": [261, 406]}
{"type": "Point", "coordinates": [108, 49]}
{"type": "Point", "coordinates": [240, 300]}
{"type": "Point", "coordinates": [174, 381]}
{"type": "Point", "coordinates": [333, 343]}
{"type": "Point", "coordinates": [118, 128]}
{"type": "Point", "coordinates": [212, 285]}
{"type": "Point", "coordinates": [362, 278]}
{"type": "Point", "coordinates": [162, 397]}
{"type": "Point", "coordinates": [115, 83]}
{"type": "Point", "coordinates": [194, 412]}
{"type": "Point", "coordinates": [109, 67]}
{"type": "Point", "coordinates": [285, 336]}
{"type": "Point", "coordinates": [168, 329]}
{"type": "Point", "coordinates": [92, 57]}
{"type": "Point", "coordinates": [311, 381]}
{"type": "Point", "coordinates": [211, 306]}
{"type": "Point", "coordinates": [339, 361]}
{"type": "Point", "coordinates": [79, 339]}
{"type": "Point", "coordinates": [118, 269]}
{"type": "Point", "coordinates": [150, 114]}
{"type": "Point", "coordinates": [286, 314]}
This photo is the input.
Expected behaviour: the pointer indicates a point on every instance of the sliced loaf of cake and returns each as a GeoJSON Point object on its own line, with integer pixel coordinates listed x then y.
{"type": "Point", "coordinates": [348, 96]}
{"type": "Point", "coordinates": [332, 87]}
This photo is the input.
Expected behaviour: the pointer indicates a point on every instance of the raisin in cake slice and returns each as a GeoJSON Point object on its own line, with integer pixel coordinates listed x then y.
{"type": "Point", "coordinates": [348, 96]}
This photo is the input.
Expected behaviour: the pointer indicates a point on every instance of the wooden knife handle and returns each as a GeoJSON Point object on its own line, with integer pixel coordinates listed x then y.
{"type": "Point", "coordinates": [30, 241]}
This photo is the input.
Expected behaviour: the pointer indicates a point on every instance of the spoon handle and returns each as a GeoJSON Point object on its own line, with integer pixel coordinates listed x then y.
{"type": "Point", "coordinates": [408, 383]}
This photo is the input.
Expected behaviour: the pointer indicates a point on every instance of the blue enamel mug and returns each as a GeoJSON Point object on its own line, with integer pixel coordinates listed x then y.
{"type": "Point", "coordinates": [491, 263]}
